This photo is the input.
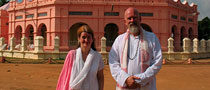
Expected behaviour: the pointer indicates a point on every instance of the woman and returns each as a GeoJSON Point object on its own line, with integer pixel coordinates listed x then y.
{"type": "Point", "coordinates": [83, 67]}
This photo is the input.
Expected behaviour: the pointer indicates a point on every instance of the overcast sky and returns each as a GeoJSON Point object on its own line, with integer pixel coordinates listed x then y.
{"type": "Point", "coordinates": [203, 7]}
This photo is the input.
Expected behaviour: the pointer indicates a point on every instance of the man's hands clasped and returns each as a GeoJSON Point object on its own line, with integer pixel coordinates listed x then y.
{"type": "Point", "coordinates": [131, 83]}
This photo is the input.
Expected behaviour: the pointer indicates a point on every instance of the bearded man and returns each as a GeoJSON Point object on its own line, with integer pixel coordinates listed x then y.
{"type": "Point", "coordinates": [135, 57]}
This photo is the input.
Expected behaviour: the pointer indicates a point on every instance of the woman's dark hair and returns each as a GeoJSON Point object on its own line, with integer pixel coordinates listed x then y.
{"type": "Point", "coordinates": [87, 29]}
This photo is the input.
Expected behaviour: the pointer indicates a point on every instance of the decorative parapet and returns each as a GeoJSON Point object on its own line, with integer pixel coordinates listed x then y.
{"type": "Point", "coordinates": [188, 7]}
{"type": "Point", "coordinates": [186, 45]}
{"type": "Point", "coordinates": [23, 43]}
{"type": "Point", "coordinates": [56, 44]}
{"type": "Point", "coordinates": [203, 45]}
{"type": "Point", "coordinates": [16, 4]}
{"type": "Point", "coordinates": [38, 46]}
{"type": "Point", "coordinates": [184, 3]}
{"type": "Point", "coordinates": [170, 45]}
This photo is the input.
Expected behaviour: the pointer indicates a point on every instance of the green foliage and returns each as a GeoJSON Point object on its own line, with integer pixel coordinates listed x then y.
{"type": "Point", "coordinates": [3, 2]}
{"type": "Point", "coordinates": [204, 29]}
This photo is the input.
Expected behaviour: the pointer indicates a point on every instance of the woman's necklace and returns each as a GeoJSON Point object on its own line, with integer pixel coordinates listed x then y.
{"type": "Point", "coordinates": [131, 58]}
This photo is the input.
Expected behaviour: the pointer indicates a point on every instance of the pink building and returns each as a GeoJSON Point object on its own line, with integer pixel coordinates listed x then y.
{"type": "Point", "coordinates": [4, 24]}
{"type": "Point", "coordinates": [50, 18]}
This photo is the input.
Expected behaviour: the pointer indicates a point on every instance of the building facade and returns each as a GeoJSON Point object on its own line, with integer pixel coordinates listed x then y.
{"type": "Point", "coordinates": [4, 24]}
{"type": "Point", "coordinates": [51, 18]}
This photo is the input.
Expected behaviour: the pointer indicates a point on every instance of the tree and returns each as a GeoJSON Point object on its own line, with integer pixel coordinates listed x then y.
{"type": "Point", "coordinates": [204, 29]}
{"type": "Point", "coordinates": [3, 2]}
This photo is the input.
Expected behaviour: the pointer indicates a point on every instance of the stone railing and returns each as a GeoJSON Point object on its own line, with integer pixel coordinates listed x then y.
{"type": "Point", "coordinates": [191, 50]}
{"type": "Point", "coordinates": [196, 50]}
{"type": "Point", "coordinates": [24, 52]}
{"type": "Point", "coordinates": [38, 52]}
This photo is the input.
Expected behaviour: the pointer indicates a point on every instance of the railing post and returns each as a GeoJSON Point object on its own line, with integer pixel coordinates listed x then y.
{"type": "Point", "coordinates": [38, 46]}
{"type": "Point", "coordinates": [186, 45]}
{"type": "Point", "coordinates": [203, 45]}
{"type": "Point", "coordinates": [23, 43]}
{"type": "Point", "coordinates": [56, 44]}
{"type": "Point", "coordinates": [12, 44]}
{"type": "Point", "coordinates": [103, 44]}
{"type": "Point", "coordinates": [170, 45]}
{"type": "Point", "coordinates": [195, 45]}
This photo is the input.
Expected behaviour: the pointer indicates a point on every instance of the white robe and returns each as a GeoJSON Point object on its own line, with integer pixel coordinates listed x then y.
{"type": "Point", "coordinates": [148, 80]}
{"type": "Point", "coordinates": [79, 75]}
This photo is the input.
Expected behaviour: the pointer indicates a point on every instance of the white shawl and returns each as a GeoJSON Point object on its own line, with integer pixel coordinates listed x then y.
{"type": "Point", "coordinates": [80, 69]}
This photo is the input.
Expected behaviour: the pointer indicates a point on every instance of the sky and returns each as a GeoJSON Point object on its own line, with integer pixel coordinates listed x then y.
{"type": "Point", "coordinates": [203, 8]}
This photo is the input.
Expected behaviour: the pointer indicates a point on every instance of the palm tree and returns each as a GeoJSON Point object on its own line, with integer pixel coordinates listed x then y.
{"type": "Point", "coordinates": [3, 2]}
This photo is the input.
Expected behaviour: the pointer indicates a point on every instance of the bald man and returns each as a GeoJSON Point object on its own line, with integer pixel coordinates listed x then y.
{"type": "Point", "coordinates": [135, 57]}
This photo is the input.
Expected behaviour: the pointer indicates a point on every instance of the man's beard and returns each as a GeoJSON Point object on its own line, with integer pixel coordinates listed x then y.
{"type": "Point", "coordinates": [134, 28]}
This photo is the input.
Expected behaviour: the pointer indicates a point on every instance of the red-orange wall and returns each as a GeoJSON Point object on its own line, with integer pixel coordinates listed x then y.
{"type": "Point", "coordinates": [58, 21]}
{"type": "Point", "coordinates": [4, 24]}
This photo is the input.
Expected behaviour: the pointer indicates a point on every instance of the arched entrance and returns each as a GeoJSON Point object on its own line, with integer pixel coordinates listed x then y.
{"type": "Point", "coordinates": [30, 34]}
{"type": "Point", "coordinates": [42, 31]}
{"type": "Point", "coordinates": [174, 35]}
{"type": "Point", "coordinates": [173, 30]}
{"type": "Point", "coordinates": [146, 27]}
{"type": "Point", "coordinates": [190, 32]}
{"type": "Point", "coordinates": [183, 35]}
{"type": "Point", "coordinates": [18, 34]}
{"type": "Point", "coordinates": [73, 42]}
{"type": "Point", "coordinates": [111, 33]}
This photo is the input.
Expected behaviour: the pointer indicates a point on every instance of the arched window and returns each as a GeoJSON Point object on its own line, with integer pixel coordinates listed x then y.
{"type": "Point", "coordinates": [73, 42]}
{"type": "Point", "coordinates": [42, 31]}
{"type": "Point", "coordinates": [190, 31]}
{"type": "Point", "coordinates": [111, 33]}
{"type": "Point", "coordinates": [18, 34]}
{"type": "Point", "coordinates": [30, 34]}
{"type": "Point", "coordinates": [183, 35]}
{"type": "Point", "coordinates": [174, 35]}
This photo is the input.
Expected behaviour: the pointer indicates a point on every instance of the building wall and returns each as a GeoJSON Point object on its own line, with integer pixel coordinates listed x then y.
{"type": "Point", "coordinates": [4, 24]}
{"type": "Point", "coordinates": [58, 21]}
